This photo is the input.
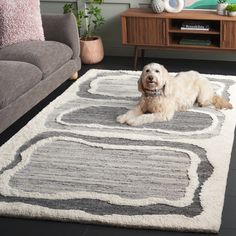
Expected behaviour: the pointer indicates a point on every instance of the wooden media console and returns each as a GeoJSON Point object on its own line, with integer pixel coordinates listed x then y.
{"type": "Point", "coordinates": [144, 29]}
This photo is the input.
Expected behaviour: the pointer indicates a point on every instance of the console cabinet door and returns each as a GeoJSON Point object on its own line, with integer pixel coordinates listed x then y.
{"type": "Point", "coordinates": [228, 34]}
{"type": "Point", "coordinates": [146, 31]}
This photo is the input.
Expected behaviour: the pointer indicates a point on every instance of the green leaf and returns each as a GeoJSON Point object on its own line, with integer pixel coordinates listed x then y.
{"type": "Point", "coordinates": [93, 14]}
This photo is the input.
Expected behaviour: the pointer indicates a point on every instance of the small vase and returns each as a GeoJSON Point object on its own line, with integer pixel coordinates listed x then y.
{"type": "Point", "coordinates": [179, 6]}
{"type": "Point", "coordinates": [158, 6]}
{"type": "Point", "coordinates": [221, 8]}
{"type": "Point", "coordinates": [91, 51]}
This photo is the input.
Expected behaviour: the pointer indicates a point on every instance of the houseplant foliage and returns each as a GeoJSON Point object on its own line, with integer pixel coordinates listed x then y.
{"type": "Point", "coordinates": [89, 21]}
{"type": "Point", "coordinates": [231, 9]}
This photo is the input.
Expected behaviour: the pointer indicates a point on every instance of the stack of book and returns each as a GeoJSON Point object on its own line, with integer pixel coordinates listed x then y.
{"type": "Point", "coordinates": [195, 25]}
{"type": "Point", "coordinates": [197, 42]}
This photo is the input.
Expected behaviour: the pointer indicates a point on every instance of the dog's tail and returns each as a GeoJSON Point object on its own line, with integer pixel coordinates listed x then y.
{"type": "Point", "coordinates": [221, 103]}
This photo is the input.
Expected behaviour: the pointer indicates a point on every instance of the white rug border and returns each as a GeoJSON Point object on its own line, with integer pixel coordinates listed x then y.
{"type": "Point", "coordinates": [209, 220]}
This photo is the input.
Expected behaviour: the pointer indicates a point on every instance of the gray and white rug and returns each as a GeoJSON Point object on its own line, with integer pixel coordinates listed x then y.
{"type": "Point", "coordinates": [74, 162]}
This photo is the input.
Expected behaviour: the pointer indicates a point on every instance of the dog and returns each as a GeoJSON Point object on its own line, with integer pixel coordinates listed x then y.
{"type": "Point", "coordinates": [163, 95]}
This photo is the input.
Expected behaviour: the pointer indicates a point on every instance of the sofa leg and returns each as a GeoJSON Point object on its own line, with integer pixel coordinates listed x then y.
{"type": "Point", "coordinates": [74, 76]}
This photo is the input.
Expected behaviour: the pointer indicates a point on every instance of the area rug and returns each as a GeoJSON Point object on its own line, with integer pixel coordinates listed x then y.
{"type": "Point", "coordinates": [74, 162]}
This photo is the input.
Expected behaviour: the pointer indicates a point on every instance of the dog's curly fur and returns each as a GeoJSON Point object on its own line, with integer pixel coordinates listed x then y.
{"type": "Point", "coordinates": [163, 94]}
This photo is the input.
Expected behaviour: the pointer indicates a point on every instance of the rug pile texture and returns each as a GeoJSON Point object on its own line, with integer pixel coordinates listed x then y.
{"type": "Point", "coordinates": [74, 162]}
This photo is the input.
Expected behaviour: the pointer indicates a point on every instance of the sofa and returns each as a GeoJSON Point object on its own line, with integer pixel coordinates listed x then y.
{"type": "Point", "coordinates": [31, 70]}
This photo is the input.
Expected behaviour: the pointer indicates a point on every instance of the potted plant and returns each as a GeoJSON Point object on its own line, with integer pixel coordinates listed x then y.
{"type": "Point", "coordinates": [231, 10]}
{"type": "Point", "coordinates": [91, 47]}
{"type": "Point", "coordinates": [221, 5]}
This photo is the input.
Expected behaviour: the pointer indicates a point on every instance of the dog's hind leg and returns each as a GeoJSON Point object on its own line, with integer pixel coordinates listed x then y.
{"type": "Point", "coordinates": [207, 97]}
{"type": "Point", "coordinates": [221, 103]}
{"type": "Point", "coordinates": [205, 94]}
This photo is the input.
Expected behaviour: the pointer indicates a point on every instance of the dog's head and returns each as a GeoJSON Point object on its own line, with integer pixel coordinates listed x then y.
{"type": "Point", "coordinates": [154, 78]}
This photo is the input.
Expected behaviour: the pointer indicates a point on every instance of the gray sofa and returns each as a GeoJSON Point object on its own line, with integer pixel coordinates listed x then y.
{"type": "Point", "coordinates": [31, 70]}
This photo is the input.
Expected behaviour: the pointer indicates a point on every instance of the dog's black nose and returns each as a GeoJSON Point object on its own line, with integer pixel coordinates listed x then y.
{"type": "Point", "coordinates": [150, 78]}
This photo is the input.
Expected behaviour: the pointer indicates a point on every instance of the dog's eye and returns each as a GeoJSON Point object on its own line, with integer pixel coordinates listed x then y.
{"type": "Point", "coordinates": [147, 70]}
{"type": "Point", "coordinates": [157, 71]}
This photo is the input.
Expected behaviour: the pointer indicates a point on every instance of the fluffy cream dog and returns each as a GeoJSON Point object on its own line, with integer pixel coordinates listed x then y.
{"type": "Point", "coordinates": [163, 94]}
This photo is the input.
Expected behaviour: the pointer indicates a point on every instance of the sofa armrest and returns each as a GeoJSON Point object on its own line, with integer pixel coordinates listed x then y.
{"type": "Point", "coordinates": [62, 28]}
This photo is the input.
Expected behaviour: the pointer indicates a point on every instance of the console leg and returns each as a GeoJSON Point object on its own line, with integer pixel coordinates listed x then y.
{"type": "Point", "coordinates": [74, 76]}
{"type": "Point", "coordinates": [143, 53]}
{"type": "Point", "coordinates": [135, 57]}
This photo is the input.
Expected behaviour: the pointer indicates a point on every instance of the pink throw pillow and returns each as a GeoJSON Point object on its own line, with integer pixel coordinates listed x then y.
{"type": "Point", "coordinates": [20, 20]}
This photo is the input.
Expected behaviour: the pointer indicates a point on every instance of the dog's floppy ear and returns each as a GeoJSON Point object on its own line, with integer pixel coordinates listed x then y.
{"type": "Point", "coordinates": [167, 87]}
{"type": "Point", "coordinates": [140, 84]}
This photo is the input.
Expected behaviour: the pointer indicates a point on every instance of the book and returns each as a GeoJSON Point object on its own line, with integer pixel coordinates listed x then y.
{"type": "Point", "coordinates": [195, 25]}
{"type": "Point", "coordinates": [192, 28]}
{"type": "Point", "coordinates": [198, 42]}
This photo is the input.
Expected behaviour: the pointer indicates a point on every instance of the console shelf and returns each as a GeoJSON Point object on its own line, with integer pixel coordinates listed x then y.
{"type": "Point", "coordinates": [193, 31]}
{"type": "Point", "coordinates": [144, 29]}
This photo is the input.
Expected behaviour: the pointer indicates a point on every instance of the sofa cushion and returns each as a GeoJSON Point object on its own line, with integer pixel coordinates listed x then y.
{"type": "Point", "coordinates": [48, 55]}
{"type": "Point", "coordinates": [20, 20]}
{"type": "Point", "coordinates": [16, 78]}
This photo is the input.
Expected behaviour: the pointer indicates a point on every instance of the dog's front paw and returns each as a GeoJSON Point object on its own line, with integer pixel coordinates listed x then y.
{"type": "Point", "coordinates": [134, 122]}
{"type": "Point", "coordinates": [141, 120]}
{"type": "Point", "coordinates": [122, 119]}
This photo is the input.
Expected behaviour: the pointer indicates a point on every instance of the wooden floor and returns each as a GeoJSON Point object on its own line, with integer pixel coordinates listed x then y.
{"type": "Point", "coordinates": [25, 227]}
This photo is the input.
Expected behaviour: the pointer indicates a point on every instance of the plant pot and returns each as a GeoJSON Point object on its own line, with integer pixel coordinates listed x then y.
{"type": "Point", "coordinates": [221, 8]}
{"type": "Point", "coordinates": [91, 51]}
{"type": "Point", "coordinates": [231, 13]}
